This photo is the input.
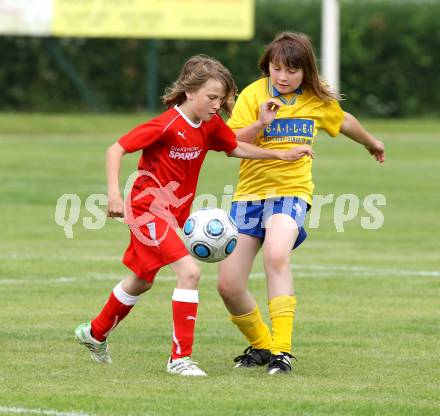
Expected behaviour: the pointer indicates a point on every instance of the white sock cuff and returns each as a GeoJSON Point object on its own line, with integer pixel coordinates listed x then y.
{"type": "Point", "coordinates": [123, 296]}
{"type": "Point", "coordinates": [186, 295]}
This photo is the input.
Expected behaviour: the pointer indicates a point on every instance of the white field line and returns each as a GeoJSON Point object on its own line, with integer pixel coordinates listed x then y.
{"type": "Point", "coordinates": [327, 269]}
{"type": "Point", "coordinates": [47, 412]}
{"type": "Point", "coordinates": [309, 271]}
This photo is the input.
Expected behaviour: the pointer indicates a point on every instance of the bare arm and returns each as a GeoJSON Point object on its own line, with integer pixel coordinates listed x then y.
{"type": "Point", "coordinates": [113, 165]}
{"type": "Point", "coordinates": [268, 111]}
{"type": "Point", "coordinates": [249, 151]}
{"type": "Point", "coordinates": [352, 128]}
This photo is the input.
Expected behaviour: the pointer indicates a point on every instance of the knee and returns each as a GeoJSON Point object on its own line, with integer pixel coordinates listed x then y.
{"type": "Point", "coordinates": [190, 277]}
{"type": "Point", "coordinates": [146, 285]}
{"type": "Point", "coordinates": [227, 289]}
{"type": "Point", "coordinates": [222, 284]}
{"type": "Point", "coordinates": [277, 259]}
{"type": "Point", "coordinates": [135, 286]}
{"type": "Point", "coordinates": [222, 288]}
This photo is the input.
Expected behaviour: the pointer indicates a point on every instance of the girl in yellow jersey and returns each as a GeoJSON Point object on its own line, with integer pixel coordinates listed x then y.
{"type": "Point", "coordinates": [285, 108]}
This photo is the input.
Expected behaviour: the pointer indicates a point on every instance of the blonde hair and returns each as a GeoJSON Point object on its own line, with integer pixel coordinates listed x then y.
{"type": "Point", "coordinates": [295, 50]}
{"type": "Point", "coordinates": [195, 72]}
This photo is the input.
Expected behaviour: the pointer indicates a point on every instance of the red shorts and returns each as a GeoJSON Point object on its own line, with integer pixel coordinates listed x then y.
{"type": "Point", "coordinates": [153, 246]}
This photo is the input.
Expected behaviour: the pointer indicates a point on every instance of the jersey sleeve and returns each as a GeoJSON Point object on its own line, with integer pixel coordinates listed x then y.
{"type": "Point", "coordinates": [245, 111]}
{"type": "Point", "coordinates": [221, 137]}
{"type": "Point", "coordinates": [142, 136]}
{"type": "Point", "coordinates": [332, 118]}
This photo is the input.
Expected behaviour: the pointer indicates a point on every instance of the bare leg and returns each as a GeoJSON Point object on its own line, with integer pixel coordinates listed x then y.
{"type": "Point", "coordinates": [135, 286]}
{"type": "Point", "coordinates": [187, 272]}
{"type": "Point", "coordinates": [234, 274]}
{"type": "Point", "coordinates": [280, 237]}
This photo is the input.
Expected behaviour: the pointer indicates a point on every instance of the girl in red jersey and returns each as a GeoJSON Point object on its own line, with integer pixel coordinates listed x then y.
{"type": "Point", "coordinates": [173, 145]}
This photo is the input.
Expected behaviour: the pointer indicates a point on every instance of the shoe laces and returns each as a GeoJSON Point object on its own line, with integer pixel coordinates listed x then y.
{"type": "Point", "coordinates": [280, 361]}
{"type": "Point", "coordinates": [248, 357]}
{"type": "Point", "coordinates": [101, 348]}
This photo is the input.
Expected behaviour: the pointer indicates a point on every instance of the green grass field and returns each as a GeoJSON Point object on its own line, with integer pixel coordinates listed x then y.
{"type": "Point", "coordinates": [368, 318]}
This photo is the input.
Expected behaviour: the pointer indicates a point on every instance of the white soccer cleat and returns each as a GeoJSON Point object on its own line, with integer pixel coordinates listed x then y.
{"type": "Point", "coordinates": [184, 367]}
{"type": "Point", "coordinates": [99, 351]}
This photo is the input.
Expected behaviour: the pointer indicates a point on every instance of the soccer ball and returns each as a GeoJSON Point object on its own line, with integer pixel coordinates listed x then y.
{"type": "Point", "coordinates": [210, 234]}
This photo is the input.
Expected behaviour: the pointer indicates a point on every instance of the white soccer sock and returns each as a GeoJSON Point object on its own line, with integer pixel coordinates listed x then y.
{"type": "Point", "coordinates": [123, 296]}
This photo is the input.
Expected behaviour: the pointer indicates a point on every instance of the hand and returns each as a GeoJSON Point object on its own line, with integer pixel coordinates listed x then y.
{"type": "Point", "coordinates": [268, 111]}
{"type": "Point", "coordinates": [297, 153]}
{"type": "Point", "coordinates": [377, 149]}
{"type": "Point", "coordinates": [115, 206]}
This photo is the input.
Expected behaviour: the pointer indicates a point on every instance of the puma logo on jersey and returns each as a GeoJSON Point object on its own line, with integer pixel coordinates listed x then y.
{"type": "Point", "coordinates": [182, 134]}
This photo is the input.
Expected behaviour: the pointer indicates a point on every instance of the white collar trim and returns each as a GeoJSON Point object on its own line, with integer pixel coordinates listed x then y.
{"type": "Point", "coordinates": [191, 123]}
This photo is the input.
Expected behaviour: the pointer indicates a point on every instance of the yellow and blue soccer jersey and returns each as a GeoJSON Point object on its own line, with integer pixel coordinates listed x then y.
{"type": "Point", "coordinates": [297, 122]}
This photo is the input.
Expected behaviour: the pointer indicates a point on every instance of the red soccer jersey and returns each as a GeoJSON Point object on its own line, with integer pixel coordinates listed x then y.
{"type": "Point", "coordinates": [173, 151]}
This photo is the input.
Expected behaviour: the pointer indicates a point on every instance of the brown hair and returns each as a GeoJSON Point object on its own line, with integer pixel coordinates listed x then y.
{"type": "Point", "coordinates": [195, 72]}
{"type": "Point", "coordinates": [295, 50]}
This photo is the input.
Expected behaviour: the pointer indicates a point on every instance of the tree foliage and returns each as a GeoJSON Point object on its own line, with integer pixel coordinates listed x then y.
{"type": "Point", "coordinates": [390, 60]}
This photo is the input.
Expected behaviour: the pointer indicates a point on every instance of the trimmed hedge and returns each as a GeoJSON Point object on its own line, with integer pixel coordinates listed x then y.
{"type": "Point", "coordinates": [390, 60]}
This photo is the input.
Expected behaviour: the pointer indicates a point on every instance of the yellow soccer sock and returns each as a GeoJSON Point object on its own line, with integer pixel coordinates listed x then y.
{"type": "Point", "coordinates": [254, 329]}
{"type": "Point", "coordinates": [282, 314]}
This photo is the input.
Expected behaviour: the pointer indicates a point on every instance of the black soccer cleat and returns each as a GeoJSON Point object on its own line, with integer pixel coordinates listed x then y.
{"type": "Point", "coordinates": [252, 357]}
{"type": "Point", "coordinates": [280, 363]}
